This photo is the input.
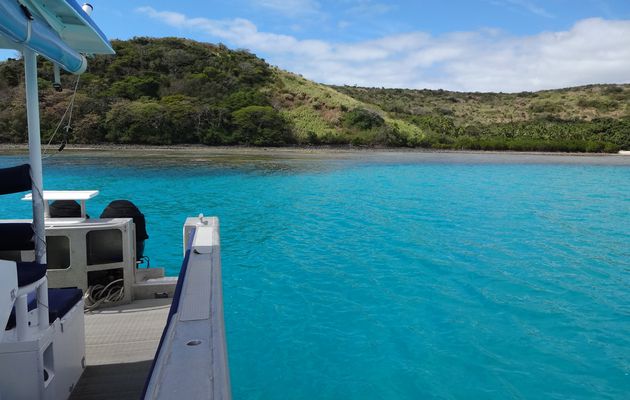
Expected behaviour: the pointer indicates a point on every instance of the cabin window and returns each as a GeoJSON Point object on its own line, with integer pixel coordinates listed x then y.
{"type": "Point", "coordinates": [58, 252]}
{"type": "Point", "coordinates": [104, 247]}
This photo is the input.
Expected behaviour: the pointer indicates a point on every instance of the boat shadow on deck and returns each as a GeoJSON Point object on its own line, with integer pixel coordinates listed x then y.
{"type": "Point", "coordinates": [112, 381]}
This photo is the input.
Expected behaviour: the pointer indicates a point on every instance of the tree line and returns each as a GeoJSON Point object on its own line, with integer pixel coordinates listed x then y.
{"type": "Point", "coordinates": [176, 91]}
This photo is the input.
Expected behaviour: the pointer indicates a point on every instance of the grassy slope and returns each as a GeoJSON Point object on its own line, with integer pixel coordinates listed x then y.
{"type": "Point", "coordinates": [317, 109]}
{"type": "Point", "coordinates": [580, 103]}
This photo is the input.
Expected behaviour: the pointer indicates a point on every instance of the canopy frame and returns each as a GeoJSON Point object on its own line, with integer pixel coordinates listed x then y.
{"type": "Point", "coordinates": [62, 32]}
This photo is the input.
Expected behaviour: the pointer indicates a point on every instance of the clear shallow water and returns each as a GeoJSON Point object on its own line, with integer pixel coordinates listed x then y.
{"type": "Point", "coordinates": [434, 276]}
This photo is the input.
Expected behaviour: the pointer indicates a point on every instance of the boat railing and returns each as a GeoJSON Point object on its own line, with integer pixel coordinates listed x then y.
{"type": "Point", "coordinates": [191, 359]}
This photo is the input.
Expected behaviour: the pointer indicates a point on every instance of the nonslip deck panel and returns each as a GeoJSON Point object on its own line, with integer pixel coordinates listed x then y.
{"type": "Point", "coordinates": [120, 343]}
{"type": "Point", "coordinates": [126, 333]}
{"type": "Point", "coordinates": [15, 179]}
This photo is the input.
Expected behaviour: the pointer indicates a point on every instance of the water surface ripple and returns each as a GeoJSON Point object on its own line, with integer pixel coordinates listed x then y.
{"type": "Point", "coordinates": [416, 277]}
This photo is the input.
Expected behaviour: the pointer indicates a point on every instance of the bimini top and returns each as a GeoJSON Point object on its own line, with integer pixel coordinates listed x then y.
{"type": "Point", "coordinates": [57, 29]}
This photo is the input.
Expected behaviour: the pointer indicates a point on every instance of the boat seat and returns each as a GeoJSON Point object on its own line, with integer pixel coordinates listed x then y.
{"type": "Point", "coordinates": [29, 272]}
{"type": "Point", "coordinates": [15, 179]}
{"type": "Point", "coordinates": [16, 236]}
{"type": "Point", "coordinates": [60, 301]}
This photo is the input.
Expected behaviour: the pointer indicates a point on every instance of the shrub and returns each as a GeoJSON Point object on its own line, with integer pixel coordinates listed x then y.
{"type": "Point", "coordinates": [361, 118]}
{"type": "Point", "coordinates": [260, 126]}
{"type": "Point", "coordinates": [601, 105]}
{"type": "Point", "coordinates": [545, 107]}
{"type": "Point", "coordinates": [389, 136]}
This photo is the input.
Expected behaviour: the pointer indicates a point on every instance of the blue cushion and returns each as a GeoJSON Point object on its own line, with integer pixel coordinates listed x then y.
{"type": "Point", "coordinates": [60, 301]}
{"type": "Point", "coordinates": [15, 179]}
{"type": "Point", "coordinates": [30, 272]}
{"type": "Point", "coordinates": [16, 236]}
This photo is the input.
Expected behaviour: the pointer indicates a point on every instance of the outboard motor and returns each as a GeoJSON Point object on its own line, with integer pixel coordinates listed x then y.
{"type": "Point", "coordinates": [126, 209]}
{"type": "Point", "coordinates": [65, 209]}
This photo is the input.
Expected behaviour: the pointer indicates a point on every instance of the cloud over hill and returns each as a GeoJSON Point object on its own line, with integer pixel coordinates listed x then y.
{"type": "Point", "coordinates": [591, 51]}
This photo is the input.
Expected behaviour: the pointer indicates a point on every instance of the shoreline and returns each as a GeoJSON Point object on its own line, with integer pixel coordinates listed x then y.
{"type": "Point", "coordinates": [253, 150]}
{"type": "Point", "coordinates": [244, 154]}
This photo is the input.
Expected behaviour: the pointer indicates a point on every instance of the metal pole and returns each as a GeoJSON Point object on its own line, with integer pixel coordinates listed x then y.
{"type": "Point", "coordinates": [35, 153]}
{"type": "Point", "coordinates": [35, 159]}
{"type": "Point", "coordinates": [21, 317]}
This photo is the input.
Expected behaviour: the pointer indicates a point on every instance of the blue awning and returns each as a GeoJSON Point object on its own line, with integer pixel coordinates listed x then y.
{"type": "Point", "coordinates": [59, 30]}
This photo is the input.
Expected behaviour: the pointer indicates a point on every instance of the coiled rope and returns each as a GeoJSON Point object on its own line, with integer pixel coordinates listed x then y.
{"type": "Point", "coordinates": [98, 294]}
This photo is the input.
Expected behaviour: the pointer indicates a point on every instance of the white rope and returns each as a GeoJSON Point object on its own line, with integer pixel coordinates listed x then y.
{"type": "Point", "coordinates": [70, 109]}
{"type": "Point", "coordinates": [99, 294]}
{"type": "Point", "coordinates": [74, 94]}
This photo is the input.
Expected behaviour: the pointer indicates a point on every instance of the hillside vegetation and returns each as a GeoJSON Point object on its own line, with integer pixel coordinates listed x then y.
{"type": "Point", "coordinates": [589, 118]}
{"type": "Point", "coordinates": [177, 91]}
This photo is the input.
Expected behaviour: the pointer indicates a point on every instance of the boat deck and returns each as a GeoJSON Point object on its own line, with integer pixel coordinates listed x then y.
{"type": "Point", "coordinates": [120, 343]}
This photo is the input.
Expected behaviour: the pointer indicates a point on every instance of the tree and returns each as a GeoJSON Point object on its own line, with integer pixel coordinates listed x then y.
{"type": "Point", "coordinates": [135, 87]}
{"type": "Point", "coordinates": [260, 126]}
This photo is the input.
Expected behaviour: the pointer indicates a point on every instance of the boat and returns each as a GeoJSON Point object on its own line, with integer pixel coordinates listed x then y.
{"type": "Point", "coordinates": [82, 315]}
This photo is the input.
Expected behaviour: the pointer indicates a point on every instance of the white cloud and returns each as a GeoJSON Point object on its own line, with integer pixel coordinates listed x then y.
{"type": "Point", "coordinates": [369, 7]}
{"type": "Point", "coordinates": [343, 24]}
{"type": "Point", "coordinates": [291, 8]}
{"type": "Point", "coordinates": [592, 51]}
{"type": "Point", "coordinates": [532, 7]}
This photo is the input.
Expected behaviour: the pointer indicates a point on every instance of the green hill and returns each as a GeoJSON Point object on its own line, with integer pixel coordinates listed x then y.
{"type": "Point", "coordinates": [587, 118]}
{"type": "Point", "coordinates": [176, 91]}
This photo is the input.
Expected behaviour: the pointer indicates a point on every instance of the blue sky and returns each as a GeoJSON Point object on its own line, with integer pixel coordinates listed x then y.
{"type": "Point", "coordinates": [479, 45]}
{"type": "Point", "coordinates": [356, 20]}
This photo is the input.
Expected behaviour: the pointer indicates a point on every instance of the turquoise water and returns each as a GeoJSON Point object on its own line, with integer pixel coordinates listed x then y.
{"type": "Point", "coordinates": [390, 276]}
